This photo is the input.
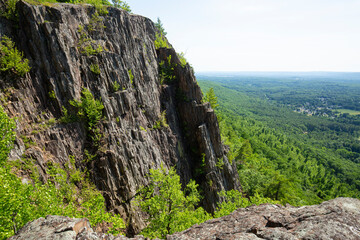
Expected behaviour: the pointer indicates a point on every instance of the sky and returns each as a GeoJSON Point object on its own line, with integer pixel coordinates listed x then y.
{"type": "Point", "coordinates": [261, 35]}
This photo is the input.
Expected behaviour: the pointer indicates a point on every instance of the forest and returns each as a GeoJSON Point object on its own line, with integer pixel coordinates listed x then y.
{"type": "Point", "coordinates": [292, 156]}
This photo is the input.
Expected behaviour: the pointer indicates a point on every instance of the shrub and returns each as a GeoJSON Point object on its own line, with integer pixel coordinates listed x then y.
{"type": "Point", "coordinates": [166, 71]}
{"type": "Point", "coordinates": [86, 45]}
{"type": "Point", "coordinates": [121, 4]}
{"type": "Point", "coordinates": [161, 122]}
{"type": "Point", "coordinates": [89, 108]}
{"type": "Point", "coordinates": [160, 41]}
{"type": "Point", "coordinates": [170, 209]}
{"type": "Point", "coordinates": [95, 68]}
{"type": "Point", "coordinates": [7, 135]}
{"type": "Point", "coordinates": [10, 10]}
{"type": "Point", "coordinates": [235, 200]}
{"type": "Point", "coordinates": [115, 86]}
{"type": "Point", "coordinates": [182, 58]}
{"type": "Point", "coordinates": [11, 59]}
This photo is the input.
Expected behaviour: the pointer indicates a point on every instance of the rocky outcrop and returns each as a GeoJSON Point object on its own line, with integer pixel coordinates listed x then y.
{"type": "Point", "coordinates": [53, 38]}
{"type": "Point", "coordinates": [62, 228]}
{"type": "Point", "coordinates": [334, 219]}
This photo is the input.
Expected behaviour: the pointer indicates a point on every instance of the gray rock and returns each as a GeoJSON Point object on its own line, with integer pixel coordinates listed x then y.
{"type": "Point", "coordinates": [335, 219]}
{"type": "Point", "coordinates": [62, 228]}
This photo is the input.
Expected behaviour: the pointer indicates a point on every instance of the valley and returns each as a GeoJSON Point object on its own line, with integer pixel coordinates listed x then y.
{"type": "Point", "coordinates": [293, 135]}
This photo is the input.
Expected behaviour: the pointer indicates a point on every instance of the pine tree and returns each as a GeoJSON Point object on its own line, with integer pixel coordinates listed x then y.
{"type": "Point", "coordinates": [211, 98]}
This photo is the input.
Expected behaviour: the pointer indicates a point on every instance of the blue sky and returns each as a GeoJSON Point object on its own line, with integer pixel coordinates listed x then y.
{"type": "Point", "coordinates": [261, 35]}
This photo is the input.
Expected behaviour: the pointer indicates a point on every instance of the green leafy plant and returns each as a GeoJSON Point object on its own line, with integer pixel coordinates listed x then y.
{"type": "Point", "coordinates": [131, 76]}
{"type": "Point", "coordinates": [52, 94]}
{"type": "Point", "coordinates": [182, 58]}
{"type": "Point", "coordinates": [86, 45]}
{"type": "Point", "coordinates": [10, 10]}
{"type": "Point", "coordinates": [234, 200]}
{"type": "Point", "coordinates": [161, 41]}
{"type": "Point", "coordinates": [11, 59]}
{"type": "Point", "coordinates": [170, 209]}
{"type": "Point", "coordinates": [115, 86]}
{"type": "Point", "coordinates": [122, 4]}
{"type": "Point", "coordinates": [96, 22]}
{"type": "Point", "coordinates": [162, 122]}
{"type": "Point", "coordinates": [166, 71]}
{"type": "Point", "coordinates": [89, 108]}
{"type": "Point", "coordinates": [220, 163]}
{"type": "Point", "coordinates": [60, 195]}
{"type": "Point", "coordinates": [95, 69]}
{"type": "Point", "coordinates": [7, 135]}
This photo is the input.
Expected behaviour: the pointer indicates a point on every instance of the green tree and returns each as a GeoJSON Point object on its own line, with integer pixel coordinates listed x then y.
{"type": "Point", "coordinates": [160, 27]}
{"type": "Point", "coordinates": [122, 4]}
{"type": "Point", "coordinates": [169, 208]}
{"type": "Point", "coordinates": [211, 98]}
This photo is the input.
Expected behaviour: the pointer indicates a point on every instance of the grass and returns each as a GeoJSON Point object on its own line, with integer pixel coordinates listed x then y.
{"type": "Point", "coordinates": [349, 111]}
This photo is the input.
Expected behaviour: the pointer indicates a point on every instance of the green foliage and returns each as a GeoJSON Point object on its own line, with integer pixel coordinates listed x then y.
{"type": "Point", "coordinates": [161, 41]}
{"type": "Point", "coordinates": [131, 77]}
{"type": "Point", "coordinates": [20, 203]}
{"type": "Point", "coordinates": [115, 86]}
{"type": "Point", "coordinates": [234, 200]}
{"type": "Point", "coordinates": [60, 195]}
{"type": "Point", "coordinates": [160, 27]}
{"type": "Point", "coordinates": [162, 122]}
{"type": "Point", "coordinates": [166, 71]}
{"type": "Point", "coordinates": [11, 59]}
{"type": "Point", "coordinates": [95, 69]}
{"type": "Point", "coordinates": [52, 94]}
{"type": "Point", "coordinates": [211, 98]}
{"type": "Point", "coordinates": [170, 209]}
{"type": "Point", "coordinates": [7, 135]}
{"type": "Point", "coordinates": [220, 163]}
{"type": "Point", "coordinates": [96, 22]}
{"type": "Point", "coordinates": [88, 108]}
{"type": "Point", "coordinates": [122, 4]}
{"type": "Point", "coordinates": [10, 10]}
{"type": "Point", "coordinates": [86, 45]}
{"type": "Point", "coordinates": [143, 129]}
{"type": "Point", "coordinates": [182, 58]}
{"type": "Point", "coordinates": [67, 118]}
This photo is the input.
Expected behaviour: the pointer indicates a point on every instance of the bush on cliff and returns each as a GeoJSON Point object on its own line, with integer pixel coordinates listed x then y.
{"type": "Point", "coordinates": [170, 209]}
{"type": "Point", "coordinates": [11, 59]}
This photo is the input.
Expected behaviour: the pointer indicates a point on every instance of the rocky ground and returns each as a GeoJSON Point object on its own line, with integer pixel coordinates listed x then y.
{"type": "Point", "coordinates": [335, 219]}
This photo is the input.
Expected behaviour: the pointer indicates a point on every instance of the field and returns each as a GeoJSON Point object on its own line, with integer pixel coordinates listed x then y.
{"type": "Point", "coordinates": [349, 111]}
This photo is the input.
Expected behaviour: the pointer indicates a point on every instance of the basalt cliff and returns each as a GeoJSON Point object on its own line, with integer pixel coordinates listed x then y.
{"type": "Point", "coordinates": [52, 37]}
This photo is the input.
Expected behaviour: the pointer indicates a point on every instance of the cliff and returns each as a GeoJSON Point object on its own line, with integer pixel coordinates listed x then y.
{"type": "Point", "coordinates": [334, 219]}
{"type": "Point", "coordinates": [55, 39]}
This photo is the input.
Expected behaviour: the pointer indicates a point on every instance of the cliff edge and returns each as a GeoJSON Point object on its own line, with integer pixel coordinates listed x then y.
{"type": "Point", "coordinates": [334, 219]}
{"type": "Point", "coordinates": [71, 48]}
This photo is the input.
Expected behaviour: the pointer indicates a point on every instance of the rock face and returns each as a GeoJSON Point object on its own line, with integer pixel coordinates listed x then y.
{"type": "Point", "coordinates": [55, 38]}
{"type": "Point", "coordinates": [334, 219]}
